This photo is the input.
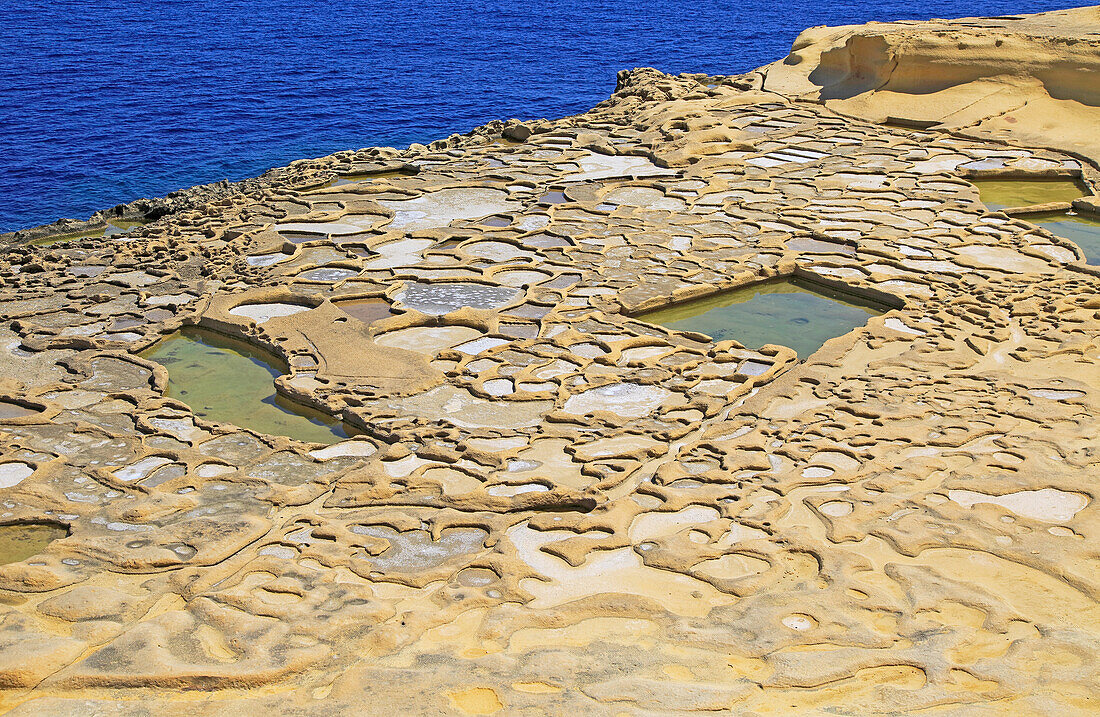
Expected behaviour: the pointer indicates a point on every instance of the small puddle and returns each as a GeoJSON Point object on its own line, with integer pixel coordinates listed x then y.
{"type": "Point", "coordinates": [227, 380]}
{"type": "Point", "coordinates": [14, 473]}
{"type": "Point", "coordinates": [629, 400]}
{"type": "Point", "coordinates": [553, 198]}
{"type": "Point", "coordinates": [563, 281]}
{"type": "Point", "coordinates": [1081, 230]}
{"type": "Point", "coordinates": [428, 339]}
{"type": "Point", "coordinates": [266, 259]}
{"type": "Point", "coordinates": [644, 197]}
{"type": "Point", "coordinates": [87, 270]}
{"type": "Point", "coordinates": [790, 312]}
{"type": "Point", "coordinates": [21, 541]}
{"type": "Point", "coordinates": [546, 241]}
{"type": "Point", "coordinates": [1004, 193]}
{"type": "Point", "coordinates": [601, 166]}
{"type": "Point", "coordinates": [1048, 505]}
{"type": "Point", "coordinates": [815, 246]}
{"type": "Point", "coordinates": [367, 310]}
{"type": "Point", "coordinates": [415, 550]}
{"type": "Point", "coordinates": [447, 245]}
{"type": "Point", "coordinates": [301, 237]}
{"type": "Point", "coordinates": [438, 209]}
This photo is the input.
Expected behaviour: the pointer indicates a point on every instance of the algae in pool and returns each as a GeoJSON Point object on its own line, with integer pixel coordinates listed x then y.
{"type": "Point", "coordinates": [1006, 193]}
{"type": "Point", "coordinates": [21, 541]}
{"type": "Point", "coordinates": [790, 312]}
{"type": "Point", "coordinates": [1082, 231]}
{"type": "Point", "coordinates": [230, 381]}
{"type": "Point", "coordinates": [114, 226]}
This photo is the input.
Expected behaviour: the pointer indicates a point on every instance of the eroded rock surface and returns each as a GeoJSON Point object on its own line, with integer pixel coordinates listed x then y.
{"type": "Point", "coordinates": [553, 505]}
{"type": "Point", "coordinates": [1032, 78]}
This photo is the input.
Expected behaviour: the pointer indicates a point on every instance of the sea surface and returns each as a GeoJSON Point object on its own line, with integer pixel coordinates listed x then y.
{"type": "Point", "coordinates": [106, 101]}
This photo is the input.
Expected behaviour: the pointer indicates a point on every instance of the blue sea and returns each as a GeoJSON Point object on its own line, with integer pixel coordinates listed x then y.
{"type": "Point", "coordinates": [105, 101]}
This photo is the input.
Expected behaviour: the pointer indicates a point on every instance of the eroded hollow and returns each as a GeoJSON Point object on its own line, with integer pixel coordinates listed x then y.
{"type": "Point", "coordinates": [1006, 193]}
{"type": "Point", "coordinates": [367, 310]}
{"type": "Point", "coordinates": [11, 409]}
{"type": "Point", "coordinates": [415, 550]}
{"type": "Point", "coordinates": [358, 177]}
{"type": "Point", "coordinates": [444, 298]}
{"type": "Point", "coordinates": [20, 541]}
{"type": "Point", "coordinates": [230, 381]}
{"type": "Point", "coordinates": [790, 311]}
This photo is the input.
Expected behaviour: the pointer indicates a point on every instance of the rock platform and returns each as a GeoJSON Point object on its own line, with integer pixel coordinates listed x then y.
{"type": "Point", "coordinates": [552, 505]}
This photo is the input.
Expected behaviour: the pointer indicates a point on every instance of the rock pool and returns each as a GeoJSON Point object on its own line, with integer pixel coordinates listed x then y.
{"type": "Point", "coordinates": [227, 380]}
{"type": "Point", "coordinates": [22, 540]}
{"type": "Point", "coordinates": [791, 312]}
{"type": "Point", "coordinates": [1005, 193]}
{"type": "Point", "coordinates": [1084, 231]}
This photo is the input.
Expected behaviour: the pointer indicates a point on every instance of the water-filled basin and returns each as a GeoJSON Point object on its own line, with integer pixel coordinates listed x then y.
{"type": "Point", "coordinates": [1005, 193]}
{"type": "Point", "coordinates": [230, 381]}
{"type": "Point", "coordinates": [23, 540]}
{"type": "Point", "coordinates": [1082, 230]}
{"type": "Point", "coordinates": [790, 312]}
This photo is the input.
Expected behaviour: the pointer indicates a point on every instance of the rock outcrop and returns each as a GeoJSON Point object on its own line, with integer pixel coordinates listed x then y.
{"type": "Point", "coordinates": [522, 493]}
{"type": "Point", "coordinates": [1032, 79]}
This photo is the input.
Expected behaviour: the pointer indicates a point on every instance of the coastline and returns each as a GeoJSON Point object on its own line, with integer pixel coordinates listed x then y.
{"type": "Point", "coordinates": [557, 497]}
{"type": "Point", "coordinates": [828, 51]}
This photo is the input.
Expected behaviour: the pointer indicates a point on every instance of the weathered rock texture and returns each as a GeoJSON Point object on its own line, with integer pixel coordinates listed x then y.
{"type": "Point", "coordinates": [557, 507]}
{"type": "Point", "coordinates": [1033, 79]}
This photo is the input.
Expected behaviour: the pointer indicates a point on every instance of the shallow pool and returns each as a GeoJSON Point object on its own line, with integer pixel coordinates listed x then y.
{"type": "Point", "coordinates": [791, 312]}
{"type": "Point", "coordinates": [230, 381]}
{"type": "Point", "coordinates": [1081, 230]}
{"type": "Point", "coordinates": [21, 541]}
{"type": "Point", "coordinates": [367, 310]}
{"type": "Point", "coordinates": [367, 177]}
{"type": "Point", "coordinates": [9, 409]}
{"type": "Point", "coordinates": [1004, 193]}
{"type": "Point", "coordinates": [443, 298]}
{"type": "Point", "coordinates": [113, 226]}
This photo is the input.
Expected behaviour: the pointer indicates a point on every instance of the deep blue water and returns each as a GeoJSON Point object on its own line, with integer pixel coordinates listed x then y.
{"type": "Point", "coordinates": [105, 101]}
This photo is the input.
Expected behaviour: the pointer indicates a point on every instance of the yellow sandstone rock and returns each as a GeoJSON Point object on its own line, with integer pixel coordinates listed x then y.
{"type": "Point", "coordinates": [399, 434]}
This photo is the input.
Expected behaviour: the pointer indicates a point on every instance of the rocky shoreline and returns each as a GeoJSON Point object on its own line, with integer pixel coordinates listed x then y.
{"type": "Point", "coordinates": [772, 394]}
{"type": "Point", "coordinates": [304, 173]}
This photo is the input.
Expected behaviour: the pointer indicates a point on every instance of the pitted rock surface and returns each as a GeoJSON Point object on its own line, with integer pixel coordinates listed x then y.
{"type": "Point", "coordinates": [555, 506]}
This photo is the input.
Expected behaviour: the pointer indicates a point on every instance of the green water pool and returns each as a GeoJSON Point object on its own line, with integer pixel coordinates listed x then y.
{"type": "Point", "coordinates": [231, 381]}
{"type": "Point", "coordinates": [114, 226]}
{"type": "Point", "coordinates": [21, 541]}
{"type": "Point", "coordinates": [1005, 193]}
{"type": "Point", "coordinates": [790, 312]}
